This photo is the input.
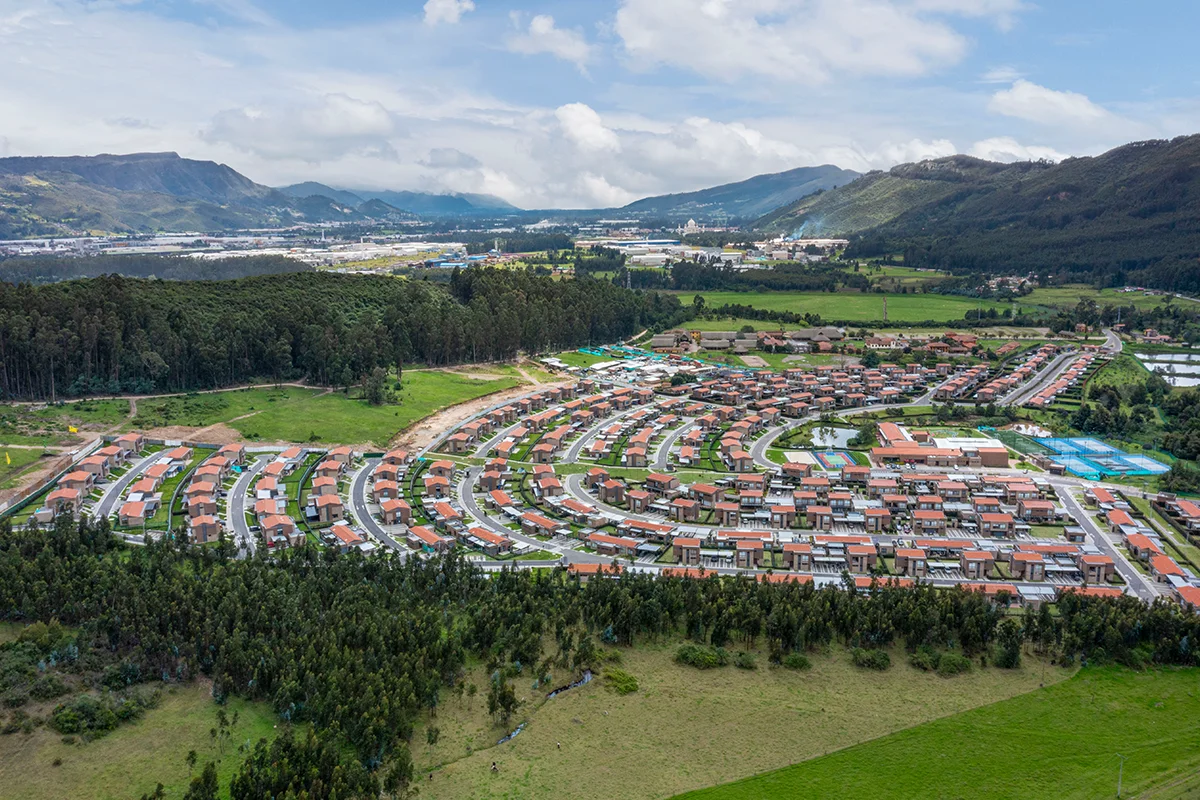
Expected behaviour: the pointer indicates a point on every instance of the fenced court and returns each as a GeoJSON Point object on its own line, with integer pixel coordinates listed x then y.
{"type": "Point", "coordinates": [834, 459]}
{"type": "Point", "coordinates": [1091, 458]}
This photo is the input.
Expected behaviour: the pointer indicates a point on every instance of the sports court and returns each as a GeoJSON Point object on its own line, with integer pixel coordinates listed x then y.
{"type": "Point", "coordinates": [1092, 458]}
{"type": "Point", "coordinates": [834, 459]}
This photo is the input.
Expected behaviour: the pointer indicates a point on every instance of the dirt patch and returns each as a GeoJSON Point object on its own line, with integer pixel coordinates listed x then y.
{"type": "Point", "coordinates": [213, 434]}
{"type": "Point", "coordinates": [424, 432]}
{"type": "Point", "coordinates": [754, 361]}
{"type": "Point", "coordinates": [45, 468]}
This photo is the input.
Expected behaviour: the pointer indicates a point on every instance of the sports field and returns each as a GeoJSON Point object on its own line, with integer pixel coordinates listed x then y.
{"type": "Point", "coordinates": [1061, 742]}
{"type": "Point", "coordinates": [856, 306]}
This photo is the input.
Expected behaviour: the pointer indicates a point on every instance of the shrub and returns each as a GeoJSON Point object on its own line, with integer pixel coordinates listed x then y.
{"type": "Point", "coordinates": [701, 656]}
{"type": "Point", "coordinates": [797, 661]}
{"type": "Point", "coordinates": [870, 659]}
{"type": "Point", "coordinates": [953, 664]}
{"type": "Point", "coordinates": [744, 660]}
{"type": "Point", "coordinates": [926, 658]}
{"type": "Point", "coordinates": [15, 698]}
{"type": "Point", "coordinates": [620, 681]}
{"type": "Point", "coordinates": [48, 687]}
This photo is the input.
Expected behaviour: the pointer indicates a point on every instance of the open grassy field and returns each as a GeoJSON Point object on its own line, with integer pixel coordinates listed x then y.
{"type": "Point", "coordinates": [1071, 295]}
{"type": "Point", "coordinates": [310, 415]}
{"type": "Point", "coordinates": [131, 760]}
{"type": "Point", "coordinates": [685, 729]}
{"type": "Point", "coordinates": [854, 306]}
{"type": "Point", "coordinates": [1060, 741]}
{"type": "Point", "coordinates": [26, 424]}
{"type": "Point", "coordinates": [14, 462]}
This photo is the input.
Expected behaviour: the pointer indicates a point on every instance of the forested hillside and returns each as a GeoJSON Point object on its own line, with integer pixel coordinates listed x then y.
{"type": "Point", "coordinates": [114, 334]}
{"type": "Point", "coordinates": [1131, 215]}
{"type": "Point", "coordinates": [361, 648]}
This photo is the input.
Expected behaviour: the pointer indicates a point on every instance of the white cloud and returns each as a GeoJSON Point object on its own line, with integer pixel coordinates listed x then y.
{"type": "Point", "coordinates": [790, 40]}
{"type": "Point", "coordinates": [583, 126]}
{"type": "Point", "coordinates": [1006, 148]}
{"type": "Point", "coordinates": [1029, 101]}
{"type": "Point", "coordinates": [543, 36]}
{"type": "Point", "coordinates": [1003, 74]}
{"type": "Point", "coordinates": [1002, 11]}
{"type": "Point", "coordinates": [314, 132]}
{"type": "Point", "coordinates": [447, 11]}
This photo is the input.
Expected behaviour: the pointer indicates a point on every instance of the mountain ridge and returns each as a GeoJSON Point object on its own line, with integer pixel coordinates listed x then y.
{"type": "Point", "coordinates": [749, 198]}
{"type": "Point", "coordinates": [1113, 216]}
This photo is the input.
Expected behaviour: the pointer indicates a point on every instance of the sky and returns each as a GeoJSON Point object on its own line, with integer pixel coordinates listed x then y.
{"type": "Point", "coordinates": [583, 103]}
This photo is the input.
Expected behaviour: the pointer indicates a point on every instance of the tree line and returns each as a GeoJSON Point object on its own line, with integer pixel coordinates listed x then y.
{"type": "Point", "coordinates": [113, 334]}
{"type": "Point", "coordinates": [360, 647]}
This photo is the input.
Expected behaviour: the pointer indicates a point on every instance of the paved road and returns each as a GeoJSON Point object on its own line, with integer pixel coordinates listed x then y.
{"type": "Point", "coordinates": [1138, 583]}
{"type": "Point", "coordinates": [235, 509]}
{"type": "Point", "coordinates": [1048, 375]}
{"type": "Point", "coordinates": [116, 490]}
{"type": "Point", "coordinates": [663, 454]}
{"type": "Point", "coordinates": [358, 503]}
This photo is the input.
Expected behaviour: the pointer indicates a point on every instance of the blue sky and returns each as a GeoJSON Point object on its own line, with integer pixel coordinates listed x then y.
{"type": "Point", "coordinates": [580, 103]}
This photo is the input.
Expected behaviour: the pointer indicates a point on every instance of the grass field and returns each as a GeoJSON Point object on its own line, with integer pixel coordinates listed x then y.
{"type": "Point", "coordinates": [685, 729]}
{"type": "Point", "coordinates": [14, 462]}
{"type": "Point", "coordinates": [1072, 294]}
{"type": "Point", "coordinates": [132, 759]}
{"type": "Point", "coordinates": [853, 306]}
{"type": "Point", "coordinates": [1060, 741]}
{"type": "Point", "coordinates": [22, 424]}
{"type": "Point", "coordinates": [309, 415]}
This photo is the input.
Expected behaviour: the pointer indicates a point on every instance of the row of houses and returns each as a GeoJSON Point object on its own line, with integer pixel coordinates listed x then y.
{"type": "Point", "coordinates": [1071, 376]}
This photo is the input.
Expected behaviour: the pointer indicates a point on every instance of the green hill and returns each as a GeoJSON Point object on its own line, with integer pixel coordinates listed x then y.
{"type": "Point", "coordinates": [749, 198]}
{"type": "Point", "coordinates": [151, 192]}
{"type": "Point", "coordinates": [1132, 213]}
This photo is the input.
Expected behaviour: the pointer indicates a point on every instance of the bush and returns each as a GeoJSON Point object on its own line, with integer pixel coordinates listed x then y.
{"type": "Point", "coordinates": [96, 716]}
{"type": "Point", "coordinates": [953, 664]}
{"type": "Point", "coordinates": [744, 660]}
{"type": "Point", "coordinates": [926, 658]}
{"type": "Point", "coordinates": [15, 698]}
{"type": "Point", "coordinates": [701, 656]}
{"type": "Point", "coordinates": [797, 661]}
{"type": "Point", "coordinates": [48, 687]}
{"type": "Point", "coordinates": [870, 659]}
{"type": "Point", "coordinates": [620, 681]}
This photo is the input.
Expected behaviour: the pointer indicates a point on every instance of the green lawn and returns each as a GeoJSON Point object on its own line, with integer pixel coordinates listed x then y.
{"type": "Point", "coordinates": [855, 306]}
{"type": "Point", "coordinates": [1060, 741]}
{"type": "Point", "coordinates": [307, 415]}
{"type": "Point", "coordinates": [131, 760]}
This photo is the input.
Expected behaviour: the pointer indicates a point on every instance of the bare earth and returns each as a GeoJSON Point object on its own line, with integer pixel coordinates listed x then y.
{"type": "Point", "coordinates": [425, 432]}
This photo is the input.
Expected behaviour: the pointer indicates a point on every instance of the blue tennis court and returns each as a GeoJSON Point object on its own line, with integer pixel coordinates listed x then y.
{"type": "Point", "coordinates": [1092, 458]}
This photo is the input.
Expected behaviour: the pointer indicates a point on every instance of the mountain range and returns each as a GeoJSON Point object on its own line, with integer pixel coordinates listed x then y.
{"type": "Point", "coordinates": [1132, 208]}
{"type": "Point", "coordinates": [748, 199]}
{"type": "Point", "coordinates": [149, 192]}
{"type": "Point", "coordinates": [420, 203]}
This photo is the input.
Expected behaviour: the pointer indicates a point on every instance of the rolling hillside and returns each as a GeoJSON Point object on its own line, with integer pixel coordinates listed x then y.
{"type": "Point", "coordinates": [151, 192]}
{"type": "Point", "coordinates": [750, 198]}
{"type": "Point", "coordinates": [1131, 214]}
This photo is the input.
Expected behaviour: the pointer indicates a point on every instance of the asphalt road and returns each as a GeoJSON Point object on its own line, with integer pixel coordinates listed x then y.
{"type": "Point", "coordinates": [107, 503]}
{"type": "Point", "coordinates": [235, 508]}
{"type": "Point", "coordinates": [358, 503]}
